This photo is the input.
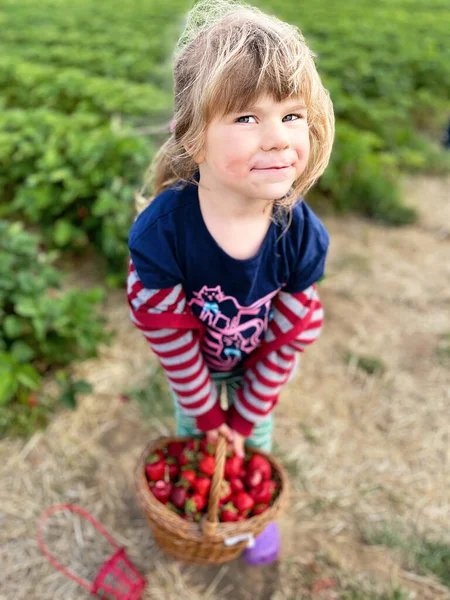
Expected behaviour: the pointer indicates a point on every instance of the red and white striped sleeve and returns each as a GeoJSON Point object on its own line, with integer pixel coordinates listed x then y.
{"type": "Point", "coordinates": [178, 350]}
{"type": "Point", "coordinates": [264, 380]}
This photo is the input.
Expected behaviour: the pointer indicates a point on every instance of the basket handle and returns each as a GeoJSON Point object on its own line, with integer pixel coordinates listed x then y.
{"type": "Point", "coordinates": [40, 538]}
{"type": "Point", "coordinates": [210, 523]}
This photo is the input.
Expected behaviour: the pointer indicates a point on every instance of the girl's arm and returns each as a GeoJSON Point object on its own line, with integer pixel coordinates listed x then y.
{"type": "Point", "coordinates": [178, 350]}
{"type": "Point", "coordinates": [264, 380]}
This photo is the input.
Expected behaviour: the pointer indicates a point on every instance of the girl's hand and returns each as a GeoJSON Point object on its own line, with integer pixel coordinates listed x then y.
{"type": "Point", "coordinates": [235, 440]}
{"type": "Point", "coordinates": [238, 444]}
{"type": "Point", "coordinates": [213, 434]}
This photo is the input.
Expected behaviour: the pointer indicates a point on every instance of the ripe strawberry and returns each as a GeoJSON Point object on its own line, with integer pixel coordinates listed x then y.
{"type": "Point", "coordinates": [32, 400]}
{"type": "Point", "coordinates": [236, 485]}
{"type": "Point", "coordinates": [157, 455]}
{"type": "Point", "coordinates": [207, 465]}
{"type": "Point", "coordinates": [155, 468]}
{"type": "Point", "coordinates": [178, 496]}
{"type": "Point", "coordinates": [173, 468]}
{"type": "Point", "coordinates": [233, 466]}
{"type": "Point", "coordinates": [174, 449]}
{"type": "Point", "coordinates": [225, 492]}
{"type": "Point", "coordinates": [202, 485]}
{"type": "Point", "coordinates": [243, 502]}
{"type": "Point", "coordinates": [259, 463]}
{"type": "Point", "coordinates": [194, 504]}
{"type": "Point", "coordinates": [264, 493]}
{"type": "Point", "coordinates": [83, 212]}
{"type": "Point", "coordinates": [186, 457]}
{"type": "Point", "coordinates": [161, 490]}
{"type": "Point", "coordinates": [192, 445]}
{"type": "Point", "coordinates": [187, 477]}
{"type": "Point", "coordinates": [242, 473]}
{"type": "Point", "coordinates": [253, 478]}
{"type": "Point", "coordinates": [207, 447]}
{"type": "Point", "coordinates": [228, 513]}
{"type": "Point", "coordinates": [259, 509]}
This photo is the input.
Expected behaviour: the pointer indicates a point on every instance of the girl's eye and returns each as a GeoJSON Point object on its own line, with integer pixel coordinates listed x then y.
{"type": "Point", "coordinates": [252, 117]}
{"type": "Point", "coordinates": [295, 115]}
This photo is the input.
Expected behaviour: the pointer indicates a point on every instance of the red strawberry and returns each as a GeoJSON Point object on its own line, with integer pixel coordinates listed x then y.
{"type": "Point", "coordinates": [161, 490]}
{"type": "Point", "coordinates": [207, 447]}
{"type": "Point", "coordinates": [253, 478]}
{"type": "Point", "coordinates": [157, 454]}
{"type": "Point", "coordinates": [188, 477]}
{"type": "Point", "coordinates": [233, 466]}
{"type": "Point", "coordinates": [259, 463]}
{"type": "Point", "coordinates": [178, 496]}
{"type": "Point", "coordinates": [32, 400]}
{"type": "Point", "coordinates": [155, 470]}
{"type": "Point", "coordinates": [174, 449]}
{"type": "Point", "coordinates": [236, 485]}
{"type": "Point", "coordinates": [243, 502]}
{"type": "Point", "coordinates": [173, 468]}
{"type": "Point", "coordinates": [228, 513]}
{"type": "Point", "coordinates": [202, 485]}
{"type": "Point", "coordinates": [242, 473]}
{"type": "Point", "coordinates": [83, 212]}
{"type": "Point", "coordinates": [225, 492]}
{"type": "Point", "coordinates": [193, 444]}
{"type": "Point", "coordinates": [186, 457]}
{"type": "Point", "coordinates": [259, 509]}
{"type": "Point", "coordinates": [194, 504]}
{"type": "Point", "coordinates": [264, 493]}
{"type": "Point", "coordinates": [207, 465]}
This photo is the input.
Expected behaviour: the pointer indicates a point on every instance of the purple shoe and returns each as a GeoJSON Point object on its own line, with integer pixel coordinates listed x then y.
{"type": "Point", "coordinates": [266, 549]}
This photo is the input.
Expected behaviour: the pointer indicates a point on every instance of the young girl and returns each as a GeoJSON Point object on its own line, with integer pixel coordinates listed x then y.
{"type": "Point", "coordinates": [225, 258]}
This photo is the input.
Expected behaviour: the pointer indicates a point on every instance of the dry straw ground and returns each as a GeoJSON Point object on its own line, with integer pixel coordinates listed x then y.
{"type": "Point", "coordinates": [362, 449]}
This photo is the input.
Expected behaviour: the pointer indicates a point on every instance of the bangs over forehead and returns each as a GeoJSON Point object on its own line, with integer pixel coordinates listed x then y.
{"type": "Point", "coordinates": [263, 66]}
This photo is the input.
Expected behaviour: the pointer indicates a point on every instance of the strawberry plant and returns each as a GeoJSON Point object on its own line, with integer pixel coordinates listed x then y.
{"type": "Point", "coordinates": [74, 177]}
{"type": "Point", "coordinates": [42, 326]}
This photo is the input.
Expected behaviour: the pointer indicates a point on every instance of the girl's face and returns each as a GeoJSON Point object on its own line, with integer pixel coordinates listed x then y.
{"type": "Point", "coordinates": [256, 154]}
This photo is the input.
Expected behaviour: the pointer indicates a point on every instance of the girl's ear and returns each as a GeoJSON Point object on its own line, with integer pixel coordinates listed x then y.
{"type": "Point", "coordinates": [198, 158]}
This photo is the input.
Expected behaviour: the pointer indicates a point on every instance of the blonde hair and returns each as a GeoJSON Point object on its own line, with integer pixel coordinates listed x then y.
{"type": "Point", "coordinates": [228, 56]}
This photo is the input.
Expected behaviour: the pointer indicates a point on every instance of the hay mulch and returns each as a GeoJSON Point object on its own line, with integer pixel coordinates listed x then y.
{"type": "Point", "coordinates": [362, 449]}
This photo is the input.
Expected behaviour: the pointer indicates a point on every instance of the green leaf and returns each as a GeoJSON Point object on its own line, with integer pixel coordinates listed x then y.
{"type": "Point", "coordinates": [40, 329]}
{"type": "Point", "coordinates": [13, 327]}
{"type": "Point", "coordinates": [7, 363]}
{"type": "Point", "coordinates": [25, 307]}
{"type": "Point", "coordinates": [68, 399]}
{"type": "Point", "coordinates": [8, 387]}
{"type": "Point", "coordinates": [22, 352]}
{"type": "Point", "coordinates": [82, 387]}
{"type": "Point", "coordinates": [62, 233]}
{"type": "Point", "coordinates": [29, 377]}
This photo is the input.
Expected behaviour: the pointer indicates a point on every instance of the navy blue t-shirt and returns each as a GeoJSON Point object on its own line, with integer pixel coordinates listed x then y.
{"type": "Point", "coordinates": [170, 244]}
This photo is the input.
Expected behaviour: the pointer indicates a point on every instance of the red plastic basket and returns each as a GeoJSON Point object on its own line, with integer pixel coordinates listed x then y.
{"type": "Point", "coordinates": [117, 578]}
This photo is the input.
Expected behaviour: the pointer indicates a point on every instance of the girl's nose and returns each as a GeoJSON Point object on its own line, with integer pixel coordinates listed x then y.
{"type": "Point", "coordinates": [274, 137]}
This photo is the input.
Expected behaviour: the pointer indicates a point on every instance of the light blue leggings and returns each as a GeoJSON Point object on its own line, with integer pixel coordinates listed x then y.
{"type": "Point", "coordinates": [262, 433]}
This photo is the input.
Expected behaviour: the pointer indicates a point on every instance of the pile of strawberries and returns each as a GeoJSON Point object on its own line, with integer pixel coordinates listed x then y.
{"type": "Point", "coordinates": [180, 477]}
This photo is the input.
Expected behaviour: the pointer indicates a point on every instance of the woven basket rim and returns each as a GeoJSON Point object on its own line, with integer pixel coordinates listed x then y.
{"type": "Point", "coordinates": [170, 521]}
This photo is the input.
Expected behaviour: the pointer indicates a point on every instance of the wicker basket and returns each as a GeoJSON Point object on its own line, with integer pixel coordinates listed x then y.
{"type": "Point", "coordinates": [207, 542]}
